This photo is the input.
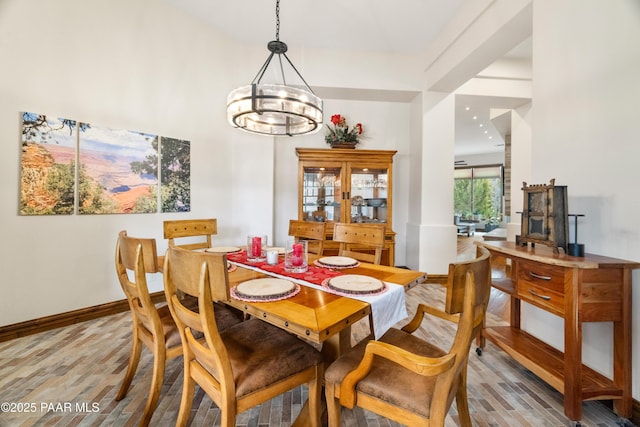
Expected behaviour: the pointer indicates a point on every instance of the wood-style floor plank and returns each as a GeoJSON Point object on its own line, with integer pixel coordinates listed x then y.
{"type": "Point", "coordinates": [82, 366]}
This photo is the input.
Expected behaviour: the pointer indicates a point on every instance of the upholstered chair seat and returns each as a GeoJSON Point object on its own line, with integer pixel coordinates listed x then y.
{"type": "Point", "coordinates": [389, 381]}
{"type": "Point", "coordinates": [255, 353]}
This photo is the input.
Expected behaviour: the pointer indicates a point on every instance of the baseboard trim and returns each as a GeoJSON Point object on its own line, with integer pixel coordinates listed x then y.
{"type": "Point", "coordinates": [55, 321]}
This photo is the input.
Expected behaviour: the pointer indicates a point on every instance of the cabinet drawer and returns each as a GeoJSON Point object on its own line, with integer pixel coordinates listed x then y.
{"type": "Point", "coordinates": [541, 296]}
{"type": "Point", "coordinates": [544, 277]}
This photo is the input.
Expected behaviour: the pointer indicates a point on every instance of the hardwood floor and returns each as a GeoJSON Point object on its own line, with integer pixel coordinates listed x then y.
{"type": "Point", "coordinates": [69, 377]}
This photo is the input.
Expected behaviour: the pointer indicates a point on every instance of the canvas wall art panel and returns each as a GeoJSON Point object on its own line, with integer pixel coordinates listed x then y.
{"type": "Point", "coordinates": [118, 171]}
{"type": "Point", "coordinates": [47, 169]}
{"type": "Point", "coordinates": [175, 175]}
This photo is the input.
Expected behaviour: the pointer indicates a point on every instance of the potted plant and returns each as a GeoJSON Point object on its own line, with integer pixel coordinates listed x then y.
{"type": "Point", "coordinates": [340, 135]}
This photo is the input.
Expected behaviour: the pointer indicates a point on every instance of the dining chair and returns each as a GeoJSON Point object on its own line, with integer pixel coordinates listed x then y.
{"type": "Point", "coordinates": [243, 366]}
{"type": "Point", "coordinates": [153, 325]}
{"type": "Point", "coordinates": [407, 379]}
{"type": "Point", "coordinates": [314, 232]}
{"type": "Point", "coordinates": [356, 238]}
{"type": "Point", "coordinates": [188, 229]}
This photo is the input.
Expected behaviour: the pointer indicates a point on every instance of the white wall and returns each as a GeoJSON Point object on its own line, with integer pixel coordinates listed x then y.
{"type": "Point", "coordinates": [586, 63]}
{"type": "Point", "coordinates": [124, 65]}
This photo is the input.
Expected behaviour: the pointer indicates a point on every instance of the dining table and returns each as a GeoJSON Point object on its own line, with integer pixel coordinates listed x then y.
{"type": "Point", "coordinates": [318, 314]}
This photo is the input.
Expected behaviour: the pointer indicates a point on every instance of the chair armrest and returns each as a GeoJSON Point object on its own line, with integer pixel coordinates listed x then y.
{"type": "Point", "coordinates": [421, 365]}
{"type": "Point", "coordinates": [425, 309]}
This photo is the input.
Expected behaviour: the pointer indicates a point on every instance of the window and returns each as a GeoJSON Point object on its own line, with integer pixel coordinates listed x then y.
{"type": "Point", "coordinates": [478, 191]}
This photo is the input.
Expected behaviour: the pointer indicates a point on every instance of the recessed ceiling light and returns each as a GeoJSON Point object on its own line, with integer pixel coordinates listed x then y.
{"type": "Point", "coordinates": [475, 117]}
{"type": "Point", "coordinates": [486, 131]}
{"type": "Point", "coordinates": [467, 108]}
{"type": "Point", "coordinates": [481, 125]}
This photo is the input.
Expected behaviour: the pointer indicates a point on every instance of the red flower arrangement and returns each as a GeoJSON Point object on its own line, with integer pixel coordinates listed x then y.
{"type": "Point", "coordinates": [340, 131]}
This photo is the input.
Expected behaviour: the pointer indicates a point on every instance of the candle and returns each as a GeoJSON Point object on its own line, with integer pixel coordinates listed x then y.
{"type": "Point", "coordinates": [297, 249]}
{"type": "Point", "coordinates": [256, 246]}
{"type": "Point", "coordinates": [272, 256]}
{"type": "Point", "coordinates": [296, 259]}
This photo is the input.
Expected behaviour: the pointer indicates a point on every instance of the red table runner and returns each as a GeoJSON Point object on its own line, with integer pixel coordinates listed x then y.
{"type": "Point", "coordinates": [314, 274]}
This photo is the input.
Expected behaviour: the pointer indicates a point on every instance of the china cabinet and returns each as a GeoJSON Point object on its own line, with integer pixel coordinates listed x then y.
{"type": "Point", "coordinates": [346, 185]}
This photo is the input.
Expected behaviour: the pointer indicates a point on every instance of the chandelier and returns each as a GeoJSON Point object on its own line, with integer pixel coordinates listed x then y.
{"type": "Point", "coordinates": [278, 107]}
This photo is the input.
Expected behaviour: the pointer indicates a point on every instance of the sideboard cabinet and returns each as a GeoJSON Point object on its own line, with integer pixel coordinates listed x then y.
{"type": "Point", "coordinates": [592, 288]}
{"type": "Point", "coordinates": [347, 185]}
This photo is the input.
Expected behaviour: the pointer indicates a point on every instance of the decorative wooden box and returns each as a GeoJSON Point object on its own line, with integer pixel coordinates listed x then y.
{"type": "Point", "coordinates": [545, 218]}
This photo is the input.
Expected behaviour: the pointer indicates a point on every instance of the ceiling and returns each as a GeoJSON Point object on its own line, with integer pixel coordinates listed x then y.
{"type": "Point", "coordinates": [368, 25]}
{"type": "Point", "coordinates": [406, 26]}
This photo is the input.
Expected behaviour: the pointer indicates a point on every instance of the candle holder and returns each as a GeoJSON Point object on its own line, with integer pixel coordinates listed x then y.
{"type": "Point", "coordinates": [296, 256]}
{"type": "Point", "coordinates": [272, 256]}
{"type": "Point", "coordinates": [576, 249]}
{"type": "Point", "coordinates": [256, 248]}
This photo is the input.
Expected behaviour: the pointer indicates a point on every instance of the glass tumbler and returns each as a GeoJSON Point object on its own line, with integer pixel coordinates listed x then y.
{"type": "Point", "coordinates": [256, 248]}
{"type": "Point", "coordinates": [296, 257]}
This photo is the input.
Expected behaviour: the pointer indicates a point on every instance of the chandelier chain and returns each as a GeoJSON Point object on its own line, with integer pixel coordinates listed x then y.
{"type": "Point", "coordinates": [278, 20]}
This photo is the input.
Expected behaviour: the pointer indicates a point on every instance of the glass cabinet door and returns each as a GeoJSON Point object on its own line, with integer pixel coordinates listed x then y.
{"type": "Point", "coordinates": [368, 193]}
{"type": "Point", "coordinates": [322, 193]}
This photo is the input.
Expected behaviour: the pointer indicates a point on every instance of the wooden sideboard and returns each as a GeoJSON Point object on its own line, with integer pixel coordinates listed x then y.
{"type": "Point", "coordinates": [592, 288]}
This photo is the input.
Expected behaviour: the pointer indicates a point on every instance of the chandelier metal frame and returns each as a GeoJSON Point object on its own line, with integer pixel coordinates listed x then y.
{"type": "Point", "coordinates": [275, 108]}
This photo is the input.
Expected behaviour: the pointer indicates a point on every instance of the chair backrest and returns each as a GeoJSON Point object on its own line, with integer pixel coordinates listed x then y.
{"type": "Point", "coordinates": [456, 278]}
{"type": "Point", "coordinates": [354, 238]}
{"type": "Point", "coordinates": [477, 289]}
{"type": "Point", "coordinates": [134, 258]}
{"type": "Point", "coordinates": [189, 228]}
{"type": "Point", "coordinates": [186, 271]}
{"type": "Point", "coordinates": [314, 232]}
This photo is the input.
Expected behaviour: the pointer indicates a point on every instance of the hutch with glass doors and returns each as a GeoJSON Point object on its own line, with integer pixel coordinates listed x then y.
{"type": "Point", "coordinates": [347, 185]}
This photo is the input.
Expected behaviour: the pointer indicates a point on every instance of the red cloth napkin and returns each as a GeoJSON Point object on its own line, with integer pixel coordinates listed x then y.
{"type": "Point", "coordinates": [314, 274]}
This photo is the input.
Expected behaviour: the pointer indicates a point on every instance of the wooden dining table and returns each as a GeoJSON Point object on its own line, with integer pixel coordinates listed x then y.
{"type": "Point", "coordinates": [315, 315]}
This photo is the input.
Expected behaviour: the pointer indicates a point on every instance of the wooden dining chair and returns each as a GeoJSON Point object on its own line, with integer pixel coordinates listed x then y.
{"type": "Point", "coordinates": [153, 325]}
{"type": "Point", "coordinates": [313, 232]}
{"type": "Point", "coordinates": [354, 239]}
{"type": "Point", "coordinates": [188, 229]}
{"type": "Point", "coordinates": [243, 366]}
{"type": "Point", "coordinates": [407, 379]}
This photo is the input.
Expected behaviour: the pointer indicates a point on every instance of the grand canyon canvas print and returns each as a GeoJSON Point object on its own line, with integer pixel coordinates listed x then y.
{"type": "Point", "coordinates": [118, 171]}
{"type": "Point", "coordinates": [48, 158]}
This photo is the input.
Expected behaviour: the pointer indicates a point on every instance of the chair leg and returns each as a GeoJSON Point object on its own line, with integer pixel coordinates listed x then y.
{"type": "Point", "coordinates": [333, 406]}
{"type": "Point", "coordinates": [462, 403]}
{"type": "Point", "coordinates": [188, 390]}
{"type": "Point", "coordinates": [134, 358]}
{"type": "Point", "coordinates": [315, 396]}
{"type": "Point", "coordinates": [159, 362]}
{"type": "Point", "coordinates": [228, 414]}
